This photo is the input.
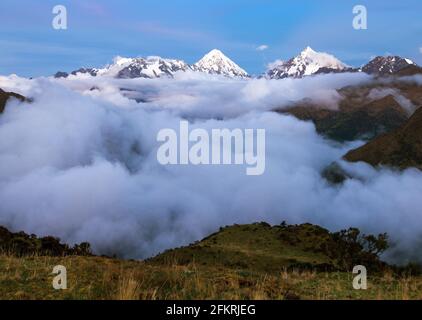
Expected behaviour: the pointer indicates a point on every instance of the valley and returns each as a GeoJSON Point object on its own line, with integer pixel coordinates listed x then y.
{"type": "Point", "coordinates": [339, 139]}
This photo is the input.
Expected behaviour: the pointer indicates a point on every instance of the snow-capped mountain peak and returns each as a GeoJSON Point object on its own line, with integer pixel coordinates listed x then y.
{"type": "Point", "coordinates": [120, 61]}
{"type": "Point", "coordinates": [215, 62]}
{"type": "Point", "coordinates": [308, 62]}
{"type": "Point", "coordinates": [113, 69]}
{"type": "Point", "coordinates": [152, 67]}
{"type": "Point", "coordinates": [387, 65]}
{"type": "Point", "coordinates": [308, 51]}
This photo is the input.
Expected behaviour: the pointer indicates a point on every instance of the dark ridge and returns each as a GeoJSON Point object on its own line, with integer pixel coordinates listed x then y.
{"type": "Point", "coordinates": [22, 244]}
{"type": "Point", "coordinates": [5, 96]}
{"type": "Point", "coordinates": [401, 148]}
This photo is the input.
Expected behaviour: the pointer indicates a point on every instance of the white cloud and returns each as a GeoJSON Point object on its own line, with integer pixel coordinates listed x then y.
{"type": "Point", "coordinates": [420, 49]}
{"type": "Point", "coordinates": [81, 165]}
{"type": "Point", "coordinates": [262, 47]}
{"type": "Point", "coordinates": [275, 64]}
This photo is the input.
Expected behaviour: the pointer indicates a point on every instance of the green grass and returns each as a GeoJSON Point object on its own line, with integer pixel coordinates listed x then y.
{"type": "Point", "coordinates": [103, 278]}
{"type": "Point", "coordinates": [240, 262]}
{"type": "Point", "coordinates": [257, 247]}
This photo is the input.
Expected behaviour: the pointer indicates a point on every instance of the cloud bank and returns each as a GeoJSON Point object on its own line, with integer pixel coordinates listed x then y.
{"type": "Point", "coordinates": [80, 163]}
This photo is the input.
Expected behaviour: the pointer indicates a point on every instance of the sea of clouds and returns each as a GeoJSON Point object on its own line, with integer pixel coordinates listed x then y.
{"type": "Point", "coordinates": [79, 162]}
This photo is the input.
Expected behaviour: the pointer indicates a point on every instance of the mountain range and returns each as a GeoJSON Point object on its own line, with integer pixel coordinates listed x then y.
{"type": "Point", "coordinates": [308, 62]}
{"type": "Point", "coordinates": [378, 110]}
{"type": "Point", "coordinates": [214, 62]}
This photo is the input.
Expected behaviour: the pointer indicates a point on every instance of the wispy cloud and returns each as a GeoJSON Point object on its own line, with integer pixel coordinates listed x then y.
{"type": "Point", "coordinates": [262, 47]}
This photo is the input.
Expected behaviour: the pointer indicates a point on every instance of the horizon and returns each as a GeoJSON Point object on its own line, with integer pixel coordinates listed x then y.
{"type": "Point", "coordinates": [266, 68]}
{"type": "Point", "coordinates": [251, 34]}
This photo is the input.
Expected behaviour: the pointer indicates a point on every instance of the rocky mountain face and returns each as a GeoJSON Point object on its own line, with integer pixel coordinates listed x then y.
{"type": "Point", "coordinates": [152, 67]}
{"type": "Point", "coordinates": [5, 96]}
{"type": "Point", "coordinates": [307, 63]}
{"type": "Point", "coordinates": [401, 148]}
{"type": "Point", "coordinates": [215, 62]}
{"type": "Point", "coordinates": [409, 70]}
{"type": "Point", "coordinates": [387, 65]}
{"type": "Point", "coordinates": [91, 71]}
{"type": "Point", "coordinates": [310, 62]}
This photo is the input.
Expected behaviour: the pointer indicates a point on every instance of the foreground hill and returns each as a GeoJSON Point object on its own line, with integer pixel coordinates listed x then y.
{"type": "Point", "coordinates": [256, 261]}
{"type": "Point", "coordinates": [401, 148]}
{"type": "Point", "coordinates": [264, 248]}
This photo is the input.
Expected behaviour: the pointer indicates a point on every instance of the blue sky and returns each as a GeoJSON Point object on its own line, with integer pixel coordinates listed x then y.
{"type": "Point", "coordinates": [187, 29]}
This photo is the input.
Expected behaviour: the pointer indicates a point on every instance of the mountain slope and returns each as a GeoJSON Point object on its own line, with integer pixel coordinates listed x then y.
{"type": "Point", "coordinates": [215, 62]}
{"type": "Point", "coordinates": [129, 68]}
{"type": "Point", "coordinates": [307, 63]}
{"type": "Point", "coordinates": [401, 148]}
{"type": "Point", "coordinates": [5, 96]}
{"type": "Point", "coordinates": [409, 70]}
{"type": "Point", "coordinates": [362, 113]}
{"type": "Point", "coordinates": [152, 67]}
{"type": "Point", "coordinates": [387, 65]}
{"type": "Point", "coordinates": [259, 247]}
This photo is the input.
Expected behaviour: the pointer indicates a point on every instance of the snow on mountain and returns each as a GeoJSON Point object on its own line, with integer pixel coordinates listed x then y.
{"type": "Point", "coordinates": [387, 65]}
{"type": "Point", "coordinates": [113, 69]}
{"type": "Point", "coordinates": [152, 67]}
{"type": "Point", "coordinates": [215, 62]}
{"type": "Point", "coordinates": [308, 62]}
{"type": "Point", "coordinates": [128, 68]}
{"type": "Point", "coordinates": [90, 71]}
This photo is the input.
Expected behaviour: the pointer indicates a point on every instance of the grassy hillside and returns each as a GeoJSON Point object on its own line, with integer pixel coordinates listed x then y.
{"type": "Point", "coordinates": [364, 111]}
{"type": "Point", "coordinates": [271, 249]}
{"type": "Point", "coordinates": [401, 148]}
{"type": "Point", "coordinates": [239, 262]}
{"type": "Point", "coordinates": [351, 123]}
{"type": "Point", "coordinates": [257, 247]}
